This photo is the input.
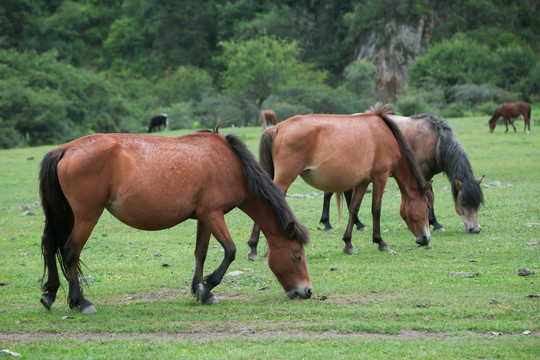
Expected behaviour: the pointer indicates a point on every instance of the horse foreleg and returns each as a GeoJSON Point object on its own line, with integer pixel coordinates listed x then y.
{"type": "Point", "coordinates": [325, 216]}
{"type": "Point", "coordinates": [216, 225]}
{"type": "Point", "coordinates": [377, 194]}
{"type": "Point", "coordinates": [356, 220]}
{"type": "Point", "coordinates": [200, 290]}
{"type": "Point", "coordinates": [431, 217]}
{"type": "Point", "coordinates": [253, 242]}
{"type": "Point", "coordinates": [356, 201]}
{"type": "Point", "coordinates": [512, 123]}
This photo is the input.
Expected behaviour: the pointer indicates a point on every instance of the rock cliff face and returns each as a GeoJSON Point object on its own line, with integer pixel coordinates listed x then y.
{"type": "Point", "coordinates": [392, 51]}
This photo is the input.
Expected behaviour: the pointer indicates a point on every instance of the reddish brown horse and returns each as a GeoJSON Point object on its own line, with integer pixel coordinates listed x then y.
{"type": "Point", "coordinates": [154, 183]}
{"type": "Point", "coordinates": [508, 111]}
{"type": "Point", "coordinates": [268, 117]}
{"type": "Point", "coordinates": [339, 152]}
{"type": "Point", "coordinates": [436, 149]}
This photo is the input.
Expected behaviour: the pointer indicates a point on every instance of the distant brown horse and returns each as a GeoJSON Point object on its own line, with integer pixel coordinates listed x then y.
{"type": "Point", "coordinates": [270, 118]}
{"type": "Point", "coordinates": [153, 183]}
{"type": "Point", "coordinates": [340, 152]}
{"type": "Point", "coordinates": [508, 111]}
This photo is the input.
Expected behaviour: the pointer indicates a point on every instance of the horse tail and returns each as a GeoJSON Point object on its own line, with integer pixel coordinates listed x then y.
{"type": "Point", "coordinates": [59, 218]}
{"type": "Point", "coordinates": [383, 112]}
{"type": "Point", "coordinates": [260, 184]}
{"type": "Point", "coordinates": [265, 151]}
{"type": "Point", "coordinates": [529, 111]}
{"type": "Point", "coordinates": [339, 197]}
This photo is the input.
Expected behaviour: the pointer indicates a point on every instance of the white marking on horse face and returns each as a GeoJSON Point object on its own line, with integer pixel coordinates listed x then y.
{"type": "Point", "coordinates": [469, 216]}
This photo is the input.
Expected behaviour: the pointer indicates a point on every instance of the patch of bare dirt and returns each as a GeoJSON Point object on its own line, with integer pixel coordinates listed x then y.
{"type": "Point", "coordinates": [241, 332]}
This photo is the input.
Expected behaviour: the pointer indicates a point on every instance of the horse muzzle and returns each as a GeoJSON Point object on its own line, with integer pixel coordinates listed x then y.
{"type": "Point", "coordinates": [473, 229]}
{"type": "Point", "coordinates": [423, 239]}
{"type": "Point", "coordinates": [303, 292]}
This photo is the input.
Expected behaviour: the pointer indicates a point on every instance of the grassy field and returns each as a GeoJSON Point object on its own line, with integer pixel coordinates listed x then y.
{"type": "Point", "coordinates": [406, 306]}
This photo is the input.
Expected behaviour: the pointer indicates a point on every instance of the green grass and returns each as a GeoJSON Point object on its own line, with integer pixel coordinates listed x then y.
{"type": "Point", "coordinates": [363, 305]}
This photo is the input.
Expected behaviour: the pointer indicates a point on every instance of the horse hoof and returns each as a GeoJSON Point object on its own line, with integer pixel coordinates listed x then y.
{"type": "Point", "coordinates": [440, 229]}
{"type": "Point", "coordinates": [384, 247]}
{"type": "Point", "coordinates": [363, 228]}
{"type": "Point", "coordinates": [210, 299]}
{"type": "Point", "coordinates": [47, 303]}
{"type": "Point", "coordinates": [350, 251]}
{"type": "Point", "coordinates": [90, 309]}
{"type": "Point", "coordinates": [253, 256]}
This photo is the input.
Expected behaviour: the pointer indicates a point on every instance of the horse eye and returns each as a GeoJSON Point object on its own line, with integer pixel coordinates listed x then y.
{"type": "Point", "coordinates": [296, 257]}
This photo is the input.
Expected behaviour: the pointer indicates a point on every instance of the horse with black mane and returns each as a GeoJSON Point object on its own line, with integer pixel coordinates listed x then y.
{"type": "Point", "coordinates": [202, 176]}
{"type": "Point", "coordinates": [158, 121]}
{"type": "Point", "coordinates": [436, 150]}
{"type": "Point", "coordinates": [340, 152]}
{"type": "Point", "coordinates": [508, 111]}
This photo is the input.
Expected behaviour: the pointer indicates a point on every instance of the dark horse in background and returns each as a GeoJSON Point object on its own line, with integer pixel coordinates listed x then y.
{"type": "Point", "coordinates": [202, 176]}
{"type": "Point", "coordinates": [158, 121]}
{"type": "Point", "coordinates": [340, 152]}
{"type": "Point", "coordinates": [268, 117]}
{"type": "Point", "coordinates": [509, 111]}
{"type": "Point", "coordinates": [436, 150]}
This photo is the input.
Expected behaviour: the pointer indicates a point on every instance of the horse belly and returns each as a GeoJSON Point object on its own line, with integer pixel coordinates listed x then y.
{"type": "Point", "coordinates": [151, 210]}
{"type": "Point", "coordinates": [333, 181]}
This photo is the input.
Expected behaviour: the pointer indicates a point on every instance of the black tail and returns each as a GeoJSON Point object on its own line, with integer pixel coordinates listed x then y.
{"type": "Point", "coordinates": [58, 213]}
{"type": "Point", "coordinates": [382, 112]}
{"type": "Point", "coordinates": [529, 111]}
{"type": "Point", "coordinates": [264, 188]}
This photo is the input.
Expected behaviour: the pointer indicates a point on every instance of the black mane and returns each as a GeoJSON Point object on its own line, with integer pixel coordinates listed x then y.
{"type": "Point", "coordinates": [264, 188]}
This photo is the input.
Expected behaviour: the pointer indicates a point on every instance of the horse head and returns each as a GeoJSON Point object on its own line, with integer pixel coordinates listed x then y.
{"type": "Point", "coordinates": [287, 260]}
{"type": "Point", "coordinates": [467, 205]}
{"type": "Point", "coordinates": [415, 213]}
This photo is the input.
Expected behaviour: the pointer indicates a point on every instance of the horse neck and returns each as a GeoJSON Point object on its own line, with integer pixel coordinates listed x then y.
{"type": "Point", "coordinates": [406, 180]}
{"type": "Point", "coordinates": [496, 116]}
{"type": "Point", "coordinates": [266, 219]}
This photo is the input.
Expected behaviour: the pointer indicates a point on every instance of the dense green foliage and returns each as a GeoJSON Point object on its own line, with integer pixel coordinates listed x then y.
{"type": "Point", "coordinates": [75, 67]}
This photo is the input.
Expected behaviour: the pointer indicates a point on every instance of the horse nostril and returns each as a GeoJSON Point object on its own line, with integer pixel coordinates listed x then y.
{"type": "Point", "coordinates": [309, 292]}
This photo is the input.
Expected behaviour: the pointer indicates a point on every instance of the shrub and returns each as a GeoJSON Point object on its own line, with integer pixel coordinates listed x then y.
{"type": "Point", "coordinates": [411, 104]}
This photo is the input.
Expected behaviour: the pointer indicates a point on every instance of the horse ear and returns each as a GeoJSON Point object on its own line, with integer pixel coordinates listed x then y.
{"type": "Point", "coordinates": [480, 180]}
{"type": "Point", "coordinates": [458, 183]}
{"type": "Point", "coordinates": [428, 185]}
{"type": "Point", "coordinates": [291, 230]}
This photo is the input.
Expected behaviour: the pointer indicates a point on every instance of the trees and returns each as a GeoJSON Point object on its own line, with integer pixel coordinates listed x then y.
{"type": "Point", "coordinates": [256, 68]}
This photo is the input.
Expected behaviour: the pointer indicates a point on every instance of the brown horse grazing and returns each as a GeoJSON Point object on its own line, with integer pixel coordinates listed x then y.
{"type": "Point", "coordinates": [436, 149]}
{"type": "Point", "coordinates": [339, 152]}
{"type": "Point", "coordinates": [268, 117]}
{"type": "Point", "coordinates": [508, 111]}
{"type": "Point", "coordinates": [201, 176]}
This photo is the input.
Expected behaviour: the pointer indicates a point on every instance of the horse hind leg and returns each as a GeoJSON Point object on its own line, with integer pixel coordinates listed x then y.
{"type": "Point", "coordinates": [49, 288]}
{"type": "Point", "coordinates": [71, 257]}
